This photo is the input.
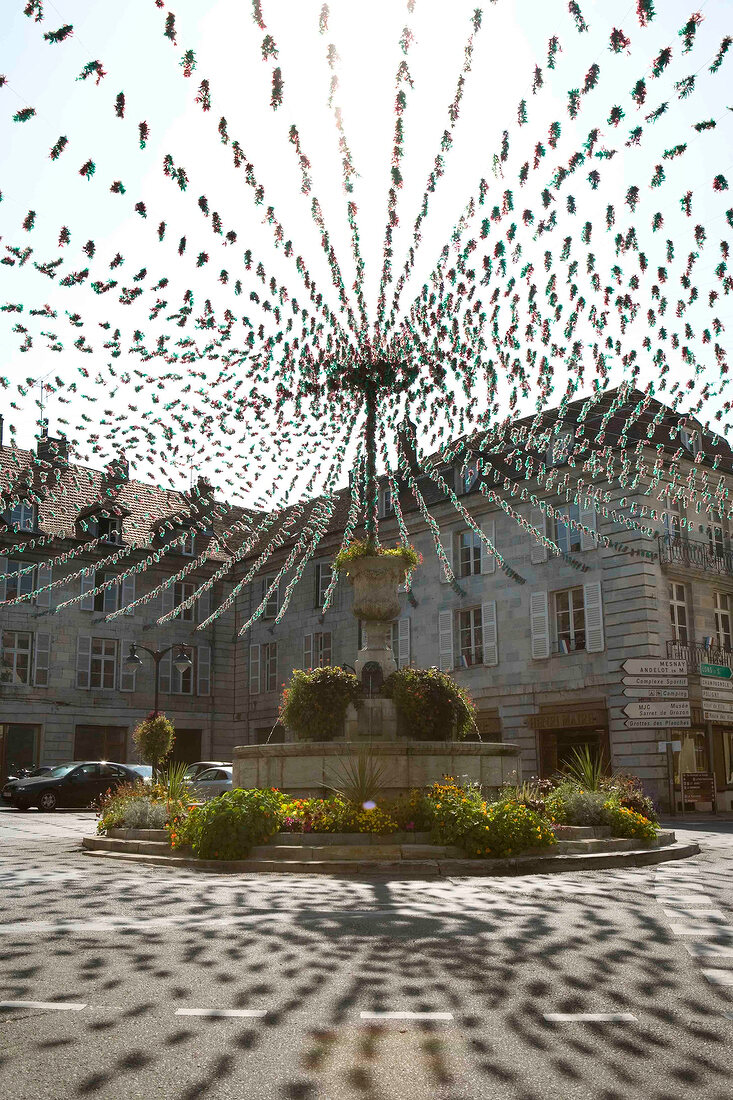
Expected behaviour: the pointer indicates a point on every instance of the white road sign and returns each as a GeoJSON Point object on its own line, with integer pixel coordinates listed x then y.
{"type": "Point", "coordinates": [713, 694]}
{"type": "Point", "coordinates": [640, 666]}
{"type": "Point", "coordinates": [662, 746]}
{"type": "Point", "coordinates": [657, 681]}
{"type": "Point", "coordinates": [717, 710]}
{"type": "Point", "coordinates": [657, 693]}
{"type": "Point", "coordinates": [657, 723]}
{"type": "Point", "coordinates": [723, 686]}
{"type": "Point", "coordinates": [658, 710]}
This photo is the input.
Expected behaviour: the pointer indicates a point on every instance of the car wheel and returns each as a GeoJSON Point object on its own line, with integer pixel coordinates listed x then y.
{"type": "Point", "coordinates": [47, 801]}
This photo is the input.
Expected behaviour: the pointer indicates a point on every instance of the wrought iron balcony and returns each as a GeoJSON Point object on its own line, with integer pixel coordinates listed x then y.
{"type": "Point", "coordinates": [695, 655]}
{"type": "Point", "coordinates": [695, 554]}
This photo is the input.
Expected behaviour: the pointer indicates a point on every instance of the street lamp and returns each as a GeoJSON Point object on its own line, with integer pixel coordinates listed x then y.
{"type": "Point", "coordinates": [181, 661]}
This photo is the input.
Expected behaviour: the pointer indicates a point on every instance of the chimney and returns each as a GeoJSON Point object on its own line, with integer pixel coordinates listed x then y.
{"type": "Point", "coordinates": [54, 451]}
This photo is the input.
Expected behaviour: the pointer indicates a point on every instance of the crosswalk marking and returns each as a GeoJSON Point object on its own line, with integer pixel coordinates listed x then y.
{"type": "Point", "coordinates": [46, 1006]}
{"type": "Point", "coordinates": [718, 977]}
{"type": "Point", "coordinates": [589, 1017]}
{"type": "Point", "coordinates": [406, 1015]}
{"type": "Point", "coordinates": [248, 1013]}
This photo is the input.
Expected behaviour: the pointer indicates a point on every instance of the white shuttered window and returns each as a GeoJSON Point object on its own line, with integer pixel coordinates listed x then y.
{"type": "Point", "coordinates": [539, 626]}
{"type": "Point", "coordinates": [538, 552]}
{"type": "Point", "coordinates": [41, 659]}
{"type": "Point", "coordinates": [490, 633]}
{"type": "Point", "coordinates": [445, 640]}
{"type": "Point", "coordinates": [488, 561]}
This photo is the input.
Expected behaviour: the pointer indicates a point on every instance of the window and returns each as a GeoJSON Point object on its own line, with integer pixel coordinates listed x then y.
{"type": "Point", "coordinates": [449, 476]}
{"type": "Point", "coordinates": [273, 604]}
{"type": "Point", "coordinates": [173, 682]}
{"type": "Point", "coordinates": [722, 619]}
{"type": "Point", "coordinates": [471, 637]}
{"type": "Point", "coordinates": [268, 656]}
{"type": "Point", "coordinates": [317, 649]}
{"type": "Point", "coordinates": [106, 600]}
{"type": "Point", "coordinates": [103, 663]}
{"type": "Point", "coordinates": [559, 450]}
{"type": "Point", "coordinates": [109, 529]}
{"type": "Point", "coordinates": [570, 620]}
{"type": "Point", "coordinates": [717, 540]}
{"type": "Point", "coordinates": [188, 546]}
{"type": "Point", "coordinates": [678, 613]}
{"type": "Point", "coordinates": [690, 440]}
{"type": "Point", "coordinates": [16, 657]}
{"type": "Point", "coordinates": [673, 519]}
{"type": "Point", "coordinates": [23, 516]}
{"type": "Point", "coordinates": [469, 476]}
{"type": "Point", "coordinates": [469, 554]}
{"type": "Point", "coordinates": [182, 591]}
{"type": "Point", "coordinates": [568, 538]}
{"type": "Point", "coordinates": [17, 583]}
{"type": "Point", "coordinates": [323, 579]}
{"type": "Point", "coordinates": [386, 504]}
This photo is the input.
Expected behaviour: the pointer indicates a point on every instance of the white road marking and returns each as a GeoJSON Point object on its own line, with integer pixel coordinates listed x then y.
{"type": "Point", "coordinates": [711, 930]}
{"type": "Point", "coordinates": [55, 1006]}
{"type": "Point", "coordinates": [718, 977]}
{"type": "Point", "coordinates": [406, 1015]}
{"type": "Point", "coordinates": [704, 914]}
{"type": "Point", "coordinates": [684, 901]}
{"type": "Point", "coordinates": [246, 1012]}
{"type": "Point", "coordinates": [706, 950]}
{"type": "Point", "coordinates": [588, 1017]}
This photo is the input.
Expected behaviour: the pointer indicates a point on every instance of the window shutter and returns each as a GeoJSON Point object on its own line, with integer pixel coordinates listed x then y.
{"type": "Point", "coordinates": [403, 642]}
{"type": "Point", "coordinates": [83, 660]}
{"type": "Point", "coordinates": [316, 584]}
{"type": "Point", "coordinates": [110, 596]}
{"type": "Point", "coordinates": [88, 582]}
{"type": "Point", "coordinates": [538, 519]}
{"type": "Point", "coordinates": [308, 651]}
{"type": "Point", "coordinates": [445, 640]}
{"type": "Point", "coordinates": [539, 626]}
{"type": "Point", "coordinates": [447, 542]}
{"type": "Point", "coordinates": [489, 633]}
{"type": "Point", "coordinates": [128, 591]}
{"type": "Point", "coordinates": [167, 599]}
{"type": "Point", "coordinates": [41, 659]}
{"type": "Point", "coordinates": [127, 679]}
{"type": "Point", "coordinates": [165, 673]}
{"type": "Point", "coordinates": [3, 571]}
{"type": "Point", "coordinates": [203, 653]}
{"type": "Point", "coordinates": [488, 561]}
{"type": "Point", "coordinates": [44, 577]}
{"type": "Point", "coordinates": [587, 516]}
{"type": "Point", "coordinates": [254, 670]}
{"type": "Point", "coordinates": [594, 640]}
{"type": "Point", "coordinates": [204, 606]}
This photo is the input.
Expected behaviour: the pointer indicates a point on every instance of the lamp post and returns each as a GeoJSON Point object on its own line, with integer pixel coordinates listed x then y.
{"type": "Point", "coordinates": [182, 661]}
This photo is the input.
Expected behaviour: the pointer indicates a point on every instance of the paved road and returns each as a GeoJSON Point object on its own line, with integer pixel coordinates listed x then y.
{"type": "Point", "coordinates": [120, 980]}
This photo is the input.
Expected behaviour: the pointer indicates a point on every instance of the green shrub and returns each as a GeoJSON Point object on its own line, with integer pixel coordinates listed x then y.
{"type": "Point", "coordinates": [228, 826]}
{"type": "Point", "coordinates": [430, 704]}
{"type": "Point", "coordinates": [570, 804]}
{"type": "Point", "coordinates": [131, 806]}
{"type": "Point", "coordinates": [412, 811]}
{"type": "Point", "coordinates": [627, 823]}
{"type": "Point", "coordinates": [334, 815]}
{"type": "Point", "coordinates": [629, 791]}
{"type": "Point", "coordinates": [452, 808]}
{"type": "Point", "coordinates": [586, 768]}
{"type": "Point", "coordinates": [506, 829]}
{"type": "Point", "coordinates": [408, 556]}
{"type": "Point", "coordinates": [314, 703]}
{"type": "Point", "coordinates": [154, 738]}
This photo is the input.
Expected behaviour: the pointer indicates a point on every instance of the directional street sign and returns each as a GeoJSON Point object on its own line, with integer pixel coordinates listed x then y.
{"type": "Point", "coordinates": [723, 686]}
{"type": "Point", "coordinates": [658, 710]}
{"type": "Point", "coordinates": [715, 709]}
{"type": "Point", "coordinates": [718, 716]}
{"type": "Point", "coordinates": [712, 694]}
{"type": "Point", "coordinates": [657, 723]}
{"type": "Point", "coordinates": [657, 693]}
{"type": "Point", "coordinates": [658, 681]}
{"type": "Point", "coordinates": [722, 672]}
{"type": "Point", "coordinates": [640, 666]}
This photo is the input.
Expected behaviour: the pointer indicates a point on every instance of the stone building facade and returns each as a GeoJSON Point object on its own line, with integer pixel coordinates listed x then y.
{"type": "Point", "coordinates": [644, 571]}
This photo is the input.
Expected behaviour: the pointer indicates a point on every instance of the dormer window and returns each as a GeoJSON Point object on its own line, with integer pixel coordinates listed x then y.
{"type": "Point", "coordinates": [560, 448]}
{"type": "Point", "coordinates": [690, 440]}
{"type": "Point", "coordinates": [448, 475]}
{"type": "Point", "coordinates": [22, 516]}
{"type": "Point", "coordinates": [109, 529]}
{"type": "Point", "coordinates": [386, 503]}
{"type": "Point", "coordinates": [188, 546]}
{"type": "Point", "coordinates": [469, 476]}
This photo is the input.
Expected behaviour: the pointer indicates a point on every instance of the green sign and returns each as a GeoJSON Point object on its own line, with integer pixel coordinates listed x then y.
{"type": "Point", "coordinates": [721, 671]}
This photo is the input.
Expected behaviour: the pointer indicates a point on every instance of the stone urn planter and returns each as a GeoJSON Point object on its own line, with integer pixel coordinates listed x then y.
{"type": "Point", "coordinates": [376, 578]}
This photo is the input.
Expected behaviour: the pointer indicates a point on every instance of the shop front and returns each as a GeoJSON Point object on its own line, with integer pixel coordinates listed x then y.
{"type": "Point", "coordinates": [561, 731]}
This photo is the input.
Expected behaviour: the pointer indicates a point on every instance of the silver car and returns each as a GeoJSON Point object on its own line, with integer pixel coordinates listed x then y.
{"type": "Point", "coordinates": [210, 783]}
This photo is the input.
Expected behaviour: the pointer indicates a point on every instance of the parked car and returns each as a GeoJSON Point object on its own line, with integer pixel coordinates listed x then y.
{"type": "Point", "coordinates": [75, 784]}
{"type": "Point", "coordinates": [22, 773]}
{"type": "Point", "coordinates": [145, 771]}
{"type": "Point", "coordinates": [203, 765]}
{"type": "Point", "coordinates": [210, 783]}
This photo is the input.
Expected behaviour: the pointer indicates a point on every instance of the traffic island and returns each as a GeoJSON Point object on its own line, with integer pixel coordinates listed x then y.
{"type": "Point", "coordinates": [399, 856]}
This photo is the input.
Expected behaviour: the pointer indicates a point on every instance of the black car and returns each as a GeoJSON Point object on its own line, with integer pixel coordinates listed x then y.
{"type": "Point", "coordinates": [22, 773]}
{"type": "Point", "coordinates": [75, 784]}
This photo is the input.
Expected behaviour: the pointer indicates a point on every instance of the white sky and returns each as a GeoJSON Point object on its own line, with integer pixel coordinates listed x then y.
{"type": "Point", "coordinates": [127, 37]}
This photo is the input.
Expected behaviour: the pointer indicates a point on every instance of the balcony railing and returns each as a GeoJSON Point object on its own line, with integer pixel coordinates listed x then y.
{"type": "Point", "coordinates": [695, 655]}
{"type": "Point", "coordinates": [695, 554]}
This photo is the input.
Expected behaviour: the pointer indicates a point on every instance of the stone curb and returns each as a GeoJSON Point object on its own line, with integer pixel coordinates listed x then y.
{"type": "Point", "coordinates": [443, 868]}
